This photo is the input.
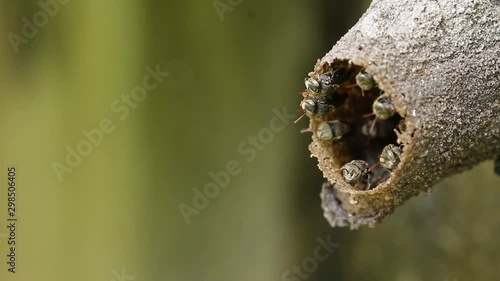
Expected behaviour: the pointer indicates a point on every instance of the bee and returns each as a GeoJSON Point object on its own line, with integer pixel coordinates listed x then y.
{"type": "Point", "coordinates": [320, 86]}
{"type": "Point", "coordinates": [357, 174]}
{"type": "Point", "coordinates": [383, 108]}
{"type": "Point", "coordinates": [332, 130]}
{"type": "Point", "coordinates": [368, 130]}
{"type": "Point", "coordinates": [371, 130]}
{"type": "Point", "coordinates": [497, 165]}
{"type": "Point", "coordinates": [364, 81]}
{"type": "Point", "coordinates": [327, 82]}
{"type": "Point", "coordinates": [390, 156]}
{"type": "Point", "coordinates": [314, 105]}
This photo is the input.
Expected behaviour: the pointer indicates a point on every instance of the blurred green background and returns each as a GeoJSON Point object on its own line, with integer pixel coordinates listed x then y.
{"type": "Point", "coordinates": [116, 215]}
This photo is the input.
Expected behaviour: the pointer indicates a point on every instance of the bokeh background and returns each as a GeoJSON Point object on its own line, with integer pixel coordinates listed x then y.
{"type": "Point", "coordinates": [116, 215]}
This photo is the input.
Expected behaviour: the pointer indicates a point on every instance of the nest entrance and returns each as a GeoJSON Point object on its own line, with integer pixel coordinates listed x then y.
{"type": "Point", "coordinates": [368, 134]}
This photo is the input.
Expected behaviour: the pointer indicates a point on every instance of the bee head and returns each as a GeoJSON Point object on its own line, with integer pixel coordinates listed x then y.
{"type": "Point", "coordinates": [324, 131]}
{"type": "Point", "coordinates": [312, 84]}
{"type": "Point", "coordinates": [309, 106]}
{"type": "Point", "coordinates": [383, 107]}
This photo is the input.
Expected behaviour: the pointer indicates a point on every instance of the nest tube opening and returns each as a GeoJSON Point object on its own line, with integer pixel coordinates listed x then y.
{"type": "Point", "coordinates": [373, 124]}
{"type": "Point", "coordinates": [366, 154]}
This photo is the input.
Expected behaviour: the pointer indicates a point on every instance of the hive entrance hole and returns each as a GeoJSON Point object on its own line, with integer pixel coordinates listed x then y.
{"type": "Point", "coordinates": [362, 142]}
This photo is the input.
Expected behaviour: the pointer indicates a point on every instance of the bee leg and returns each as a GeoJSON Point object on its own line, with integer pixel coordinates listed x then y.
{"type": "Point", "coordinates": [306, 130]}
{"type": "Point", "coordinates": [373, 166]}
{"type": "Point", "coordinates": [298, 119]}
{"type": "Point", "coordinates": [373, 124]}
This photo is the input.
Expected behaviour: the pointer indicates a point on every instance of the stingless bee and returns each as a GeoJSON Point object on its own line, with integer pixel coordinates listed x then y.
{"type": "Point", "coordinates": [383, 109]}
{"type": "Point", "coordinates": [320, 86]}
{"type": "Point", "coordinates": [368, 130]}
{"type": "Point", "coordinates": [357, 174]}
{"type": "Point", "coordinates": [315, 105]}
{"type": "Point", "coordinates": [390, 156]}
{"type": "Point", "coordinates": [364, 81]}
{"type": "Point", "coordinates": [327, 82]}
{"type": "Point", "coordinates": [332, 130]}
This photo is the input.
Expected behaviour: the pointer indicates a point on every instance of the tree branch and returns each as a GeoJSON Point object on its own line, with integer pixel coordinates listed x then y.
{"type": "Point", "coordinates": [438, 62]}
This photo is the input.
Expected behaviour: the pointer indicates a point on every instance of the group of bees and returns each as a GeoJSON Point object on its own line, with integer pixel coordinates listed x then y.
{"type": "Point", "coordinates": [327, 93]}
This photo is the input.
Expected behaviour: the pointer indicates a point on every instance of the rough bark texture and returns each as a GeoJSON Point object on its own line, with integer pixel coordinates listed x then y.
{"type": "Point", "coordinates": [438, 61]}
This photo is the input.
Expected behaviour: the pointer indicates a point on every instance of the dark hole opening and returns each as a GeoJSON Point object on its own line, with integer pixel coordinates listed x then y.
{"type": "Point", "coordinates": [362, 143]}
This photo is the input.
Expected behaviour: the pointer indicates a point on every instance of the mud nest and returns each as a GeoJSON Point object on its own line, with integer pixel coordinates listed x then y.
{"type": "Point", "coordinates": [409, 96]}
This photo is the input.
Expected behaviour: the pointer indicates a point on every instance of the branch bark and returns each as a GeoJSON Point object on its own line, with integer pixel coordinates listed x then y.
{"type": "Point", "coordinates": [438, 61]}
